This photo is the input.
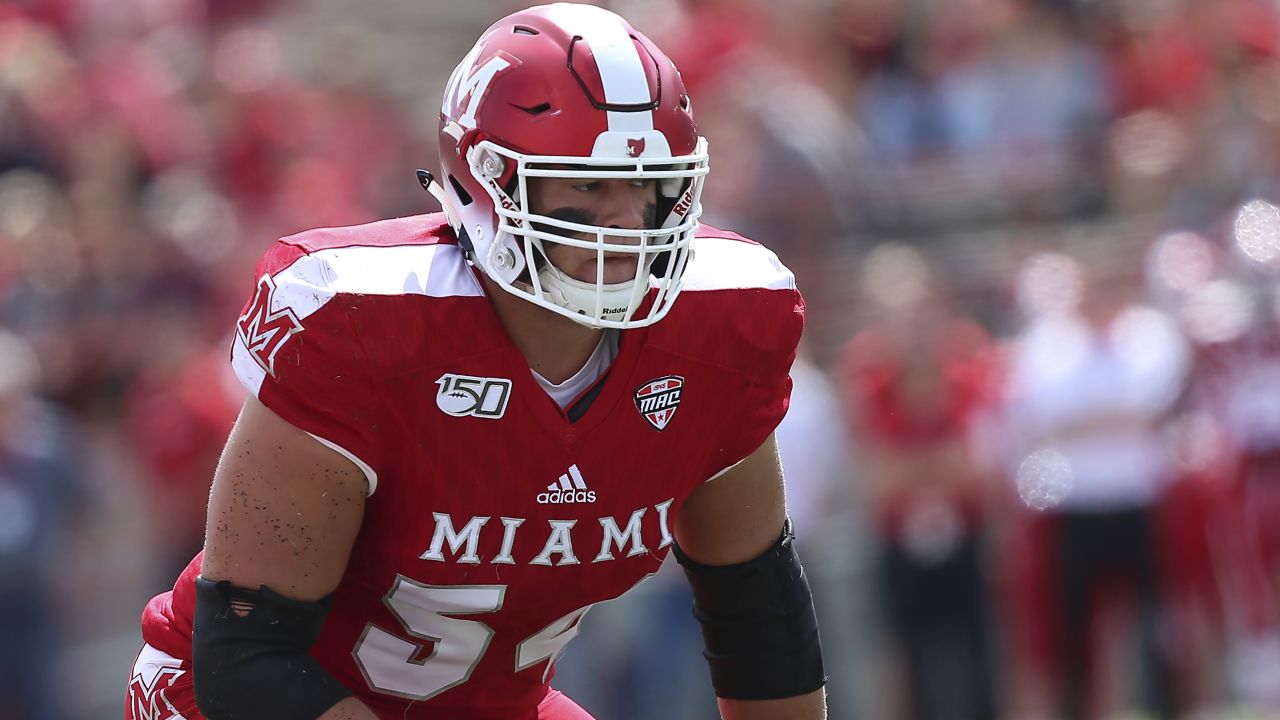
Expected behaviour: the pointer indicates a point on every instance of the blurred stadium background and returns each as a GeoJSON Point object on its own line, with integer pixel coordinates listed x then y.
{"type": "Point", "coordinates": [1036, 237]}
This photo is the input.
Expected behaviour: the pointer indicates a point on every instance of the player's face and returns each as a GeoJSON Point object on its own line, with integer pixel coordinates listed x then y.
{"type": "Point", "coordinates": [615, 203]}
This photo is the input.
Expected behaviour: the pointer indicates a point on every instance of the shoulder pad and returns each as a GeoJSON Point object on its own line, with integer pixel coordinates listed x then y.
{"type": "Point", "coordinates": [739, 308]}
{"type": "Point", "coordinates": [298, 345]}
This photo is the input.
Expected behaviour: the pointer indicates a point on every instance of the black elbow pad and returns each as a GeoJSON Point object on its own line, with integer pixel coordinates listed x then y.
{"type": "Point", "coordinates": [251, 655]}
{"type": "Point", "coordinates": [758, 624]}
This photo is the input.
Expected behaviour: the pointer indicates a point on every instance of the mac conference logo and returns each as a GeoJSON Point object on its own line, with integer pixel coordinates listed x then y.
{"type": "Point", "coordinates": [657, 400]}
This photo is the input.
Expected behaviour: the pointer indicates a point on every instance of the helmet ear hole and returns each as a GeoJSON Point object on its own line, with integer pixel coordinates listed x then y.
{"type": "Point", "coordinates": [463, 195]}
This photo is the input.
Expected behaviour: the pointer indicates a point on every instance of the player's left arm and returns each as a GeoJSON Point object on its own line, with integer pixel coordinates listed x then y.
{"type": "Point", "coordinates": [750, 594]}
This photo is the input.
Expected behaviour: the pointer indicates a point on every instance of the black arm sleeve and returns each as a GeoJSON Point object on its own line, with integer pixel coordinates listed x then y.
{"type": "Point", "coordinates": [250, 655]}
{"type": "Point", "coordinates": [758, 624]}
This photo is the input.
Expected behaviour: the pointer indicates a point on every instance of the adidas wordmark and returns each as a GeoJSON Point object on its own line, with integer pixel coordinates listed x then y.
{"type": "Point", "coordinates": [570, 489]}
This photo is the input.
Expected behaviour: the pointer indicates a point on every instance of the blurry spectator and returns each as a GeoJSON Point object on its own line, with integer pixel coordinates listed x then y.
{"type": "Point", "coordinates": [1229, 448]}
{"type": "Point", "coordinates": [913, 380]}
{"type": "Point", "coordinates": [1221, 538]}
{"type": "Point", "coordinates": [40, 495]}
{"type": "Point", "coordinates": [812, 446]}
{"type": "Point", "coordinates": [1092, 389]}
{"type": "Point", "coordinates": [1020, 99]}
{"type": "Point", "coordinates": [788, 182]}
{"type": "Point", "coordinates": [638, 657]}
{"type": "Point", "coordinates": [707, 38]}
{"type": "Point", "coordinates": [975, 112]}
{"type": "Point", "coordinates": [1250, 381]}
{"type": "Point", "coordinates": [42, 95]}
{"type": "Point", "coordinates": [176, 411]}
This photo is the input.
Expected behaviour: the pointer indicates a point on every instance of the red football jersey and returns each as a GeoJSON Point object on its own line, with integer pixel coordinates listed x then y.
{"type": "Point", "coordinates": [494, 522]}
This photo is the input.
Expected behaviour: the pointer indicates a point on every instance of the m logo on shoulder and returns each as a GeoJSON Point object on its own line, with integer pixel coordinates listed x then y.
{"type": "Point", "coordinates": [263, 331]}
{"type": "Point", "coordinates": [462, 395]}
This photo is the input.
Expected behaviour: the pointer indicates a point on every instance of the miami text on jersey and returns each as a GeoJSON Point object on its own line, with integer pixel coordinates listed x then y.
{"type": "Point", "coordinates": [464, 542]}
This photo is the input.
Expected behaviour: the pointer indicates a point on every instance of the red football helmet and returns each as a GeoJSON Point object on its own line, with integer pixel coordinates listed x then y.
{"type": "Point", "coordinates": [570, 91]}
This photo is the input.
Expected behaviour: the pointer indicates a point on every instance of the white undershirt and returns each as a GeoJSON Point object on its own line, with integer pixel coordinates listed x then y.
{"type": "Point", "coordinates": [600, 360]}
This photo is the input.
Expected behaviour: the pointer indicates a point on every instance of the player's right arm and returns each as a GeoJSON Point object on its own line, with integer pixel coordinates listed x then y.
{"type": "Point", "coordinates": [283, 513]}
{"type": "Point", "coordinates": [284, 509]}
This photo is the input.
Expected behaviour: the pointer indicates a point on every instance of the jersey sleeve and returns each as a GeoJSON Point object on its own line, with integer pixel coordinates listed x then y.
{"type": "Point", "coordinates": [743, 316]}
{"type": "Point", "coordinates": [297, 350]}
{"type": "Point", "coordinates": [768, 336]}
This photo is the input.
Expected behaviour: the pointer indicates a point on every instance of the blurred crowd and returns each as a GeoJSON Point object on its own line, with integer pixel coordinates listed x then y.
{"type": "Point", "coordinates": [1034, 449]}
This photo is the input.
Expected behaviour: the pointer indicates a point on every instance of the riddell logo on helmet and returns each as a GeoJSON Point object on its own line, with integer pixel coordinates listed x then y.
{"type": "Point", "coordinates": [506, 202]}
{"type": "Point", "coordinates": [570, 489]}
{"type": "Point", "coordinates": [683, 206]}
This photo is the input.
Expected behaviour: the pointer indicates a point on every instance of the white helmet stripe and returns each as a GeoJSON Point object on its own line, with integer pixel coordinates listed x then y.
{"type": "Point", "coordinates": [617, 59]}
{"type": "Point", "coordinates": [631, 122]}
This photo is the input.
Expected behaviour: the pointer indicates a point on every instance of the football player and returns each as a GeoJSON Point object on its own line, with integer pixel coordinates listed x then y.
{"type": "Point", "coordinates": [466, 429]}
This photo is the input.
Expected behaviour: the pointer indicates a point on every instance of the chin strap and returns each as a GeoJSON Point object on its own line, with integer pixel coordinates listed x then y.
{"type": "Point", "coordinates": [615, 305]}
{"type": "Point", "coordinates": [428, 183]}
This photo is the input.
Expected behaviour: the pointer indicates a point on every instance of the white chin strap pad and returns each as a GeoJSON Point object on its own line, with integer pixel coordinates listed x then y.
{"type": "Point", "coordinates": [617, 302]}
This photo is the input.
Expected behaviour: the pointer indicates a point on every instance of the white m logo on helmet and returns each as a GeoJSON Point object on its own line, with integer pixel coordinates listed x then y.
{"type": "Point", "coordinates": [470, 87]}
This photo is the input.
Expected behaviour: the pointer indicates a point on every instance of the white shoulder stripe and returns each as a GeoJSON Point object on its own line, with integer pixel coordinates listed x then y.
{"type": "Point", "coordinates": [246, 368]}
{"type": "Point", "coordinates": [314, 279]}
{"type": "Point", "coordinates": [724, 264]}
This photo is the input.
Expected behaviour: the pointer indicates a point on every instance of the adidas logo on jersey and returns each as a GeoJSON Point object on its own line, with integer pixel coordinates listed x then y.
{"type": "Point", "coordinates": [570, 489]}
